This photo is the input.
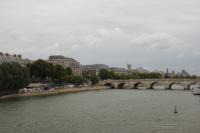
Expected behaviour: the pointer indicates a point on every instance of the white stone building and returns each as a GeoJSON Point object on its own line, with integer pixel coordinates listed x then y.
{"type": "Point", "coordinates": [67, 62]}
{"type": "Point", "coordinates": [119, 70]}
{"type": "Point", "coordinates": [93, 70]}
{"type": "Point", "coordinates": [8, 58]}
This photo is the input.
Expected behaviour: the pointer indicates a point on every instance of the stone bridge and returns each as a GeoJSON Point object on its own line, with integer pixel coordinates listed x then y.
{"type": "Point", "coordinates": [150, 83]}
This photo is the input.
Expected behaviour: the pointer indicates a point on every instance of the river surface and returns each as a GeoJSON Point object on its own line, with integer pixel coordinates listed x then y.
{"type": "Point", "coordinates": [107, 111]}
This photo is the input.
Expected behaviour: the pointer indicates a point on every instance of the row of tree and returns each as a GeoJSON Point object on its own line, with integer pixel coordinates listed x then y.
{"type": "Point", "coordinates": [12, 77]}
{"type": "Point", "coordinates": [42, 71]}
{"type": "Point", "coordinates": [181, 77]}
{"type": "Point", "coordinates": [106, 74]}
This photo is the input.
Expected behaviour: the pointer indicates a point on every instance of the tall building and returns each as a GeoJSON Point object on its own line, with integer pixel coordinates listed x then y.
{"type": "Point", "coordinates": [67, 62]}
{"type": "Point", "coordinates": [8, 58]}
{"type": "Point", "coordinates": [184, 73]}
{"type": "Point", "coordinates": [167, 71]}
{"type": "Point", "coordinates": [129, 67]}
{"type": "Point", "coordinates": [93, 70]}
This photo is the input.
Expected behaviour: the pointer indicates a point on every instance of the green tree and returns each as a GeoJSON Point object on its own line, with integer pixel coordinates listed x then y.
{"type": "Point", "coordinates": [105, 74]}
{"type": "Point", "coordinates": [59, 74]}
{"type": "Point", "coordinates": [69, 71]}
{"type": "Point", "coordinates": [77, 80]}
{"type": "Point", "coordinates": [41, 70]}
{"type": "Point", "coordinates": [13, 77]}
{"type": "Point", "coordinates": [193, 77]}
{"type": "Point", "coordinates": [94, 79]}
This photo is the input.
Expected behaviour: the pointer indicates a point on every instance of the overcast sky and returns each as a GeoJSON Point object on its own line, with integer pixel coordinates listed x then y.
{"type": "Point", "coordinates": [155, 34]}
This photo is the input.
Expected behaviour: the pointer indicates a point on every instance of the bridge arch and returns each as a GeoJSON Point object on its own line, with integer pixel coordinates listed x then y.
{"type": "Point", "coordinates": [109, 85]}
{"type": "Point", "coordinates": [152, 85]}
{"type": "Point", "coordinates": [189, 85]}
{"type": "Point", "coordinates": [120, 85]}
{"type": "Point", "coordinates": [135, 86]}
{"type": "Point", "coordinates": [171, 84]}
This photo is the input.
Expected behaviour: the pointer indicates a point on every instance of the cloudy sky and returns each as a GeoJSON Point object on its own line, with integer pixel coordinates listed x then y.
{"type": "Point", "coordinates": [155, 34]}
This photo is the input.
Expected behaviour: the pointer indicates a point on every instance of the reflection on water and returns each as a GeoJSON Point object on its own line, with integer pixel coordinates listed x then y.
{"type": "Point", "coordinates": [109, 111]}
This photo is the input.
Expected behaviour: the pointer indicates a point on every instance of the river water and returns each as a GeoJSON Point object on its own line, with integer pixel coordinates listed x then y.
{"type": "Point", "coordinates": [107, 111]}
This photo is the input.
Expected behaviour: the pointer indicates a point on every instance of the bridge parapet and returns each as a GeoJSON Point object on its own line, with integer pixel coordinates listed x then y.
{"type": "Point", "coordinates": [150, 83]}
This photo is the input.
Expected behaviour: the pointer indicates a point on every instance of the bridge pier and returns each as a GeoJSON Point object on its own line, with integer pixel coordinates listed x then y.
{"type": "Point", "coordinates": [186, 87]}
{"type": "Point", "coordinates": [167, 88]}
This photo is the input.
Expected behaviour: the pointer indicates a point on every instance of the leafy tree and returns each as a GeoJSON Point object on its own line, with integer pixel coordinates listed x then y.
{"type": "Point", "coordinates": [59, 74]}
{"type": "Point", "coordinates": [77, 80]}
{"type": "Point", "coordinates": [69, 71]}
{"type": "Point", "coordinates": [94, 79]}
{"type": "Point", "coordinates": [193, 77]}
{"type": "Point", "coordinates": [41, 70]}
{"type": "Point", "coordinates": [105, 74]}
{"type": "Point", "coordinates": [13, 77]}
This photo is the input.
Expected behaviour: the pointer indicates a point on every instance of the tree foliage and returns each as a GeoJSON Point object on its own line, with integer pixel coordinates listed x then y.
{"type": "Point", "coordinates": [93, 79]}
{"type": "Point", "coordinates": [59, 74]}
{"type": "Point", "coordinates": [77, 80]}
{"type": "Point", "coordinates": [41, 70]}
{"type": "Point", "coordinates": [105, 74]}
{"type": "Point", "coordinates": [13, 77]}
{"type": "Point", "coordinates": [68, 71]}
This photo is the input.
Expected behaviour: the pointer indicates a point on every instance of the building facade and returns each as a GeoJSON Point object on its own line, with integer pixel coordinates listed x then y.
{"type": "Point", "coordinates": [129, 67]}
{"type": "Point", "coordinates": [141, 70]}
{"type": "Point", "coordinates": [93, 70]}
{"type": "Point", "coordinates": [184, 73]}
{"type": "Point", "coordinates": [8, 58]}
{"type": "Point", "coordinates": [66, 62]}
{"type": "Point", "coordinates": [173, 74]}
{"type": "Point", "coordinates": [119, 70]}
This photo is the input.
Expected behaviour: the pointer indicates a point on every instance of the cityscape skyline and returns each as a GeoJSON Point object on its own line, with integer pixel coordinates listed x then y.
{"type": "Point", "coordinates": [78, 68]}
{"type": "Point", "coordinates": [155, 35]}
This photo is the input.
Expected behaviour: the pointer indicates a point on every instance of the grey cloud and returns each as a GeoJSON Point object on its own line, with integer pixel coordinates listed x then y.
{"type": "Point", "coordinates": [157, 40]}
{"type": "Point", "coordinates": [154, 34]}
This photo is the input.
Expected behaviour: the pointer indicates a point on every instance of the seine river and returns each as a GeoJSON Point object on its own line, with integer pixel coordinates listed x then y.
{"type": "Point", "coordinates": [107, 111]}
